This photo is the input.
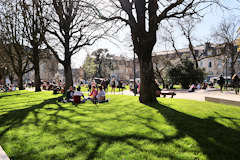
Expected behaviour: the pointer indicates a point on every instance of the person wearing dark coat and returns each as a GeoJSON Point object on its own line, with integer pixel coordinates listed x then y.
{"type": "Point", "coordinates": [221, 82]}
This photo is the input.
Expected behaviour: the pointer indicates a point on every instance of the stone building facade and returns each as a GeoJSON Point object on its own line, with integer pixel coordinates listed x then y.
{"type": "Point", "coordinates": [48, 69]}
{"type": "Point", "coordinates": [124, 68]}
{"type": "Point", "coordinates": [211, 59]}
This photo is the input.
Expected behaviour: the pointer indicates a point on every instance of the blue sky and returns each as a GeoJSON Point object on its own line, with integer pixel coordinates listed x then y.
{"type": "Point", "coordinates": [213, 16]}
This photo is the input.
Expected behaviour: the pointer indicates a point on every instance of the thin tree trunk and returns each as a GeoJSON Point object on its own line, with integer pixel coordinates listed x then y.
{"type": "Point", "coordinates": [20, 81]}
{"type": "Point", "coordinates": [163, 82]}
{"type": "Point", "coordinates": [193, 53]}
{"type": "Point", "coordinates": [37, 79]}
{"type": "Point", "coordinates": [68, 75]}
{"type": "Point", "coordinates": [232, 69]}
{"type": "Point", "coordinates": [11, 78]}
{"type": "Point", "coordinates": [147, 87]}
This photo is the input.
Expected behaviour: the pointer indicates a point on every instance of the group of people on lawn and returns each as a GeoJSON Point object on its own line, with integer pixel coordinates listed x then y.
{"type": "Point", "coordinates": [7, 88]}
{"type": "Point", "coordinates": [235, 83]}
{"type": "Point", "coordinates": [97, 95]}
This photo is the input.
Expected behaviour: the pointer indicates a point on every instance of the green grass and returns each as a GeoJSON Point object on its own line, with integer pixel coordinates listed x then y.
{"type": "Point", "coordinates": [34, 126]}
{"type": "Point", "coordinates": [174, 86]}
{"type": "Point", "coordinates": [85, 89]}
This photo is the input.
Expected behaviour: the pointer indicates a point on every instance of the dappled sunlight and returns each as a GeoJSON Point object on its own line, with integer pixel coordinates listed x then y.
{"type": "Point", "coordinates": [210, 135]}
{"type": "Point", "coordinates": [120, 129]}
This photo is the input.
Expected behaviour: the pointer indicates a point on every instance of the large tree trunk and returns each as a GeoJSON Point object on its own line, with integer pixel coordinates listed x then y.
{"type": "Point", "coordinates": [68, 75]}
{"type": "Point", "coordinates": [147, 86]}
{"type": "Point", "coordinates": [37, 79]}
{"type": "Point", "coordinates": [20, 81]}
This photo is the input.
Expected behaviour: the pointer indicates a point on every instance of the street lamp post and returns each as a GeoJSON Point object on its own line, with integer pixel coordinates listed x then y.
{"type": "Point", "coordinates": [226, 73]}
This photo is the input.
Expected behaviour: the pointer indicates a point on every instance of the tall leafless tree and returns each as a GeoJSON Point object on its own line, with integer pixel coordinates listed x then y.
{"type": "Point", "coordinates": [12, 41]}
{"type": "Point", "coordinates": [72, 27]}
{"type": "Point", "coordinates": [160, 66]}
{"type": "Point", "coordinates": [186, 27]}
{"type": "Point", "coordinates": [33, 12]}
{"type": "Point", "coordinates": [143, 17]}
{"type": "Point", "coordinates": [227, 33]}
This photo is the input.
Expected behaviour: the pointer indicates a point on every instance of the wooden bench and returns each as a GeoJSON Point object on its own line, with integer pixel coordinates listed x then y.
{"type": "Point", "coordinates": [165, 93]}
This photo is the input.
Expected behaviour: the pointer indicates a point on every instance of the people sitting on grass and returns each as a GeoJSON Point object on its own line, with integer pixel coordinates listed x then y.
{"type": "Point", "coordinates": [93, 94]}
{"type": "Point", "coordinates": [56, 90]}
{"type": "Point", "coordinates": [13, 87]}
{"type": "Point", "coordinates": [192, 88]}
{"type": "Point", "coordinates": [98, 96]}
{"type": "Point", "coordinates": [69, 95]}
{"type": "Point", "coordinates": [6, 88]}
{"type": "Point", "coordinates": [101, 95]}
{"type": "Point", "coordinates": [77, 96]}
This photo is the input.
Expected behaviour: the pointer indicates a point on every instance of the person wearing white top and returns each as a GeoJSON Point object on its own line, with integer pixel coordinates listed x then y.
{"type": "Point", "coordinates": [78, 93]}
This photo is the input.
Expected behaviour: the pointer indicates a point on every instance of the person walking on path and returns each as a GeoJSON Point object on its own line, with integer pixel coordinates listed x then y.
{"type": "Point", "coordinates": [221, 82]}
{"type": "Point", "coordinates": [236, 81]}
{"type": "Point", "coordinates": [104, 84]}
{"type": "Point", "coordinates": [113, 85]}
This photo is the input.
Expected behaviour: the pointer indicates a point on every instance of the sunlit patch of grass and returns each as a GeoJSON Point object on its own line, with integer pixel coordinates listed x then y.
{"type": "Point", "coordinates": [35, 126]}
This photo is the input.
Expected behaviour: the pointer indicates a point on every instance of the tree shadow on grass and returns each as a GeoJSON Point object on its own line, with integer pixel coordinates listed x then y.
{"type": "Point", "coordinates": [14, 118]}
{"type": "Point", "coordinates": [3, 95]}
{"type": "Point", "coordinates": [217, 141]}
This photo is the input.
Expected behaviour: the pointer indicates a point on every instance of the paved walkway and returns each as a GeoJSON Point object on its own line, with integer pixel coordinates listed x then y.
{"type": "Point", "coordinates": [199, 95]}
{"type": "Point", "coordinates": [3, 155]}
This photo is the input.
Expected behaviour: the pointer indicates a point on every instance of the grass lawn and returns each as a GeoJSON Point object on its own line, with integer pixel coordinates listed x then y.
{"type": "Point", "coordinates": [174, 86]}
{"type": "Point", "coordinates": [34, 126]}
{"type": "Point", "coordinates": [85, 89]}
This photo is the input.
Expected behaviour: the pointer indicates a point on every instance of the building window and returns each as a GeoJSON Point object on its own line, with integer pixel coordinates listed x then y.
{"type": "Point", "coordinates": [219, 63]}
{"type": "Point", "coordinates": [210, 73]}
{"type": "Point", "coordinates": [210, 65]}
{"type": "Point", "coordinates": [209, 53]}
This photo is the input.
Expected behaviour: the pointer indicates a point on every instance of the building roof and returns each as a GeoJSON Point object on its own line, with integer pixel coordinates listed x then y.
{"type": "Point", "coordinates": [184, 50]}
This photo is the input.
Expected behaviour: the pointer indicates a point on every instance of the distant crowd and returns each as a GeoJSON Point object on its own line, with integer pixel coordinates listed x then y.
{"type": "Point", "coordinates": [113, 84]}
{"type": "Point", "coordinates": [97, 95]}
{"type": "Point", "coordinates": [7, 88]}
{"type": "Point", "coordinates": [235, 84]}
